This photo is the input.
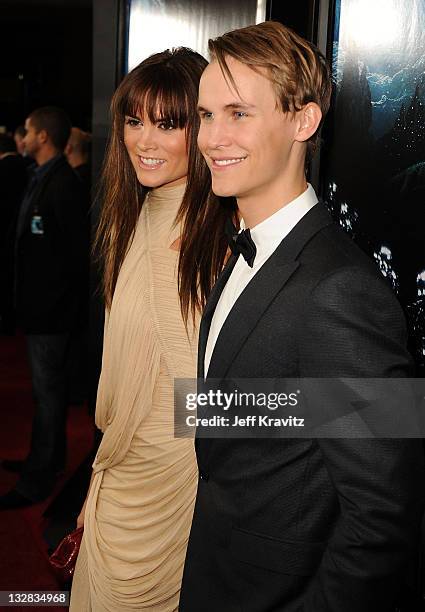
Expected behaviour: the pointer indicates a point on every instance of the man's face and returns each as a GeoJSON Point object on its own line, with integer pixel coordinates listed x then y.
{"type": "Point", "coordinates": [245, 139]}
{"type": "Point", "coordinates": [20, 145]}
{"type": "Point", "coordinates": [31, 139]}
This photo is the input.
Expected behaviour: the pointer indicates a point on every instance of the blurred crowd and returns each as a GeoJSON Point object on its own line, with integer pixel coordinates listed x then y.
{"type": "Point", "coordinates": [45, 197]}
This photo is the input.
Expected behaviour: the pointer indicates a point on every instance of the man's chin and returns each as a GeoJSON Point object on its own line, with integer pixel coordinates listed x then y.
{"type": "Point", "coordinates": [222, 190]}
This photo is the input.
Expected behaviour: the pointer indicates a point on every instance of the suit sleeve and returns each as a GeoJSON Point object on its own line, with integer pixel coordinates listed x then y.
{"type": "Point", "coordinates": [354, 327]}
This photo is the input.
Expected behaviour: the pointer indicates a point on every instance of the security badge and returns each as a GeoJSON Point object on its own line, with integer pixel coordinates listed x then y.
{"type": "Point", "coordinates": [37, 225]}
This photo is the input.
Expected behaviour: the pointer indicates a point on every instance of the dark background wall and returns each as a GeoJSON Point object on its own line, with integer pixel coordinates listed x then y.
{"type": "Point", "coordinates": [46, 58]}
{"type": "Point", "coordinates": [299, 15]}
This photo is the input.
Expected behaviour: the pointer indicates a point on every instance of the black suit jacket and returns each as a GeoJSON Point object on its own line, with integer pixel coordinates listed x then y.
{"type": "Point", "coordinates": [52, 268]}
{"type": "Point", "coordinates": [312, 525]}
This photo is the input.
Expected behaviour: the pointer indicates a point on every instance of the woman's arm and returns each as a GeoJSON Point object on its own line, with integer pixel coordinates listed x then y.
{"type": "Point", "coordinates": [80, 517]}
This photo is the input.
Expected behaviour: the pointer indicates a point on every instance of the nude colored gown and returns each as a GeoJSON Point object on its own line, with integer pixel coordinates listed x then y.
{"type": "Point", "coordinates": [140, 504]}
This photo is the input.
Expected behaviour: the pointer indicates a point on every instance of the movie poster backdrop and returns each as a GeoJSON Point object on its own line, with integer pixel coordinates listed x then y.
{"type": "Point", "coordinates": [373, 159]}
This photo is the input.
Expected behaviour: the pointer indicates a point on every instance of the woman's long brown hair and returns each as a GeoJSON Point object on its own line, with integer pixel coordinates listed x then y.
{"type": "Point", "coordinates": [165, 87]}
{"type": "Point", "coordinates": [204, 245]}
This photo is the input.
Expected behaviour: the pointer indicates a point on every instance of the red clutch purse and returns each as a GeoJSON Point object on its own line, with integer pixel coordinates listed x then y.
{"type": "Point", "coordinates": [65, 556]}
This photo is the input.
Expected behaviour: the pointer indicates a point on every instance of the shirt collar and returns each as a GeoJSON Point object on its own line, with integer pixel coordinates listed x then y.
{"type": "Point", "coordinates": [41, 171]}
{"type": "Point", "coordinates": [268, 234]}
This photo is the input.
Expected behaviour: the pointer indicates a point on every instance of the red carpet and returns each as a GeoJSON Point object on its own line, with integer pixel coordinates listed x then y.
{"type": "Point", "coordinates": [23, 552]}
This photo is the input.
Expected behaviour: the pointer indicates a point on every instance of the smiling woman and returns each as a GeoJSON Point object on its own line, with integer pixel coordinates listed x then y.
{"type": "Point", "coordinates": [153, 116]}
{"type": "Point", "coordinates": [157, 150]}
{"type": "Point", "coordinates": [139, 506]}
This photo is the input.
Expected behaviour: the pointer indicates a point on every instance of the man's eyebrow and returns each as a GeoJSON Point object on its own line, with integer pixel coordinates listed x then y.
{"type": "Point", "coordinates": [231, 106]}
{"type": "Point", "coordinates": [239, 105]}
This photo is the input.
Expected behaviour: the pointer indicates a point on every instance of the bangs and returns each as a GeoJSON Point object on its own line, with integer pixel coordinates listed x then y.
{"type": "Point", "coordinates": [161, 96]}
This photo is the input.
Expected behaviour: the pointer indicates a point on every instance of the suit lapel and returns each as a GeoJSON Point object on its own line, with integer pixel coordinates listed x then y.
{"type": "Point", "coordinates": [36, 195]}
{"type": "Point", "coordinates": [257, 295]}
{"type": "Point", "coordinates": [209, 311]}
{"type": "Point", "coordinates": [25, 225]}
{"type": "Point", "coordinates": [246, 312]}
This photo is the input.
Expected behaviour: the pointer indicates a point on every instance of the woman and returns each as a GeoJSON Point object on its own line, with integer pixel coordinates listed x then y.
{"type": "Point", "coordinates": [139, 507]}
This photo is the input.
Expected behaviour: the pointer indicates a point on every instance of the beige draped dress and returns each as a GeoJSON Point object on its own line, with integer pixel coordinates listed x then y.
{"type": "Point", "coordinates": [140, 502]}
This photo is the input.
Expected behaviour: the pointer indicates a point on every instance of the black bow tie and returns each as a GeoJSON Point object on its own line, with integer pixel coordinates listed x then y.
{"type": "Point", "coordinates": [241, 243]}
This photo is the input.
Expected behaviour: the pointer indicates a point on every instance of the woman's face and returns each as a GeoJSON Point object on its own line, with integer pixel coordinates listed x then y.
{"type": "Point", "coordinates": [157, 151]}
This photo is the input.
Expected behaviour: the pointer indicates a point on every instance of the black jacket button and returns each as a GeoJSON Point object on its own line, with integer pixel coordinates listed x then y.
{"type": "Point", "coordinates": [204, 476]}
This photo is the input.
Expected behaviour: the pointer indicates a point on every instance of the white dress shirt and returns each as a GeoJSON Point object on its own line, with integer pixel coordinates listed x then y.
{"type": "Point", "coordinates": [267, 236]}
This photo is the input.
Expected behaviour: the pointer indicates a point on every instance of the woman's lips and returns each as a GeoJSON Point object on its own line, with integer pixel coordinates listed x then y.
{"type": "Point", "coordinates": [150, 163]}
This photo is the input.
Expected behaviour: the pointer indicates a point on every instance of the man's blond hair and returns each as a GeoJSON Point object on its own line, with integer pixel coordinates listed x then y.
{"type": "Point", "coordinates": [297, 69]}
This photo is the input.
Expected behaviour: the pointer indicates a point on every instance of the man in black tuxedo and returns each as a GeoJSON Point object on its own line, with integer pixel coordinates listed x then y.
{"type": "Point", "coordinates": [51, 295]}
{"type": "Point", "coordinates": [311, 525]}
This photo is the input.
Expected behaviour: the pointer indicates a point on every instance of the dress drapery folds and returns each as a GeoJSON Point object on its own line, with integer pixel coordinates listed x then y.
{"type": "Point", "coordinates": [140, 504]}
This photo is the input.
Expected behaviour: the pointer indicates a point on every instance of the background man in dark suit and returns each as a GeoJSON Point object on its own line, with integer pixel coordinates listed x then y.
{"type": "Point", "coordinates": [311, 525]}
{"type": "Point", "coordinates": [77, 152]}
{"type": "Point", "coordinates": [51, 294]}
{"type": "Point", "coordinates": [18, 136]}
